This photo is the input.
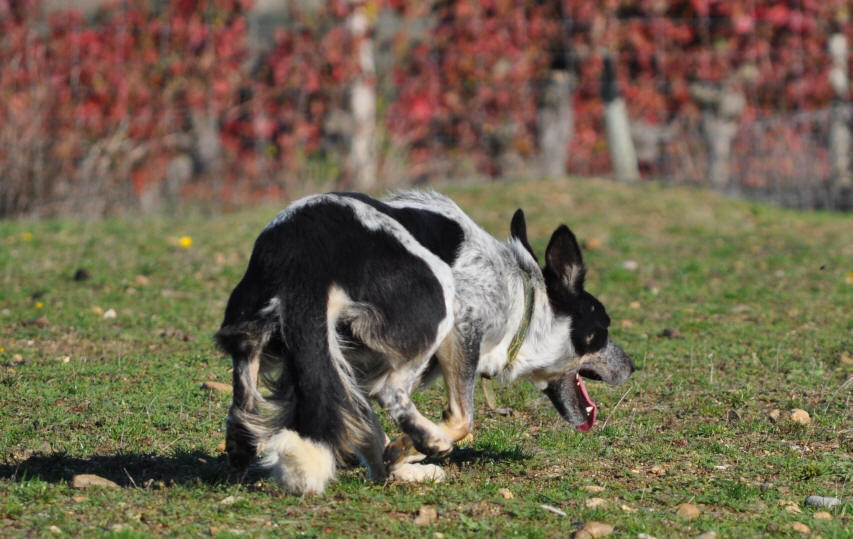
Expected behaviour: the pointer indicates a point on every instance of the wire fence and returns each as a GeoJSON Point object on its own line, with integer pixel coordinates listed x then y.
{"type": "Point", "coordinates": [148, 104]}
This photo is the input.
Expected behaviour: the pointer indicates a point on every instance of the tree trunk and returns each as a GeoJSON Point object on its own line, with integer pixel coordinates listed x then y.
{"type": "Point", "coordinates": [556, 124]}
{"type": "Point", "coordinates": [839, 130]}
{"type": "Point", "coordinates": [623, 156]}
{"type": "Point", "coordinates": [361, 162]}
{"type": "Point", "coordinates": [721, 108]}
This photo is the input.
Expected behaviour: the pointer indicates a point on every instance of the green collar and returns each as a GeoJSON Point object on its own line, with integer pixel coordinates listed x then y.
{"type": "Point", "coordinates": [521, 333]}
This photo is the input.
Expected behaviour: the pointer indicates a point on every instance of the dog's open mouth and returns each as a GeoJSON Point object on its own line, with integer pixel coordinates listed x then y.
{"type": "Point", "coordinates": [568, 393]}
{"type": "Point", "coordinates": [587, 403]}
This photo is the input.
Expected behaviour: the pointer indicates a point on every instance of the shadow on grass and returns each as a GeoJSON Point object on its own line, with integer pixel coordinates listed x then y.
{"type": "Point", "coordinates": [473, 455]}
{"type": "Point", "coordinates": [139, 470]}
{"type": "Point", "coordinates": [129, 469]}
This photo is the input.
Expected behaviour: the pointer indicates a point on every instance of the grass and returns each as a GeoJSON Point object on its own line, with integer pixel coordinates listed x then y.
{"type": "Point", "coordinates": [730, 309]}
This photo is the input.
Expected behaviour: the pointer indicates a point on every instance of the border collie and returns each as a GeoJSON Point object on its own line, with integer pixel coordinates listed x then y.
{"type": "Point", "coordinates": [349, 299]}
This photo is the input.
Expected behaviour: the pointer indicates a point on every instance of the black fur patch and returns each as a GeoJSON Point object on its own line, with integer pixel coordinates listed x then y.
{"type": "Point", "coordinates": [437, 233]}
{"type": "Point", "coordinates": [564, 274]}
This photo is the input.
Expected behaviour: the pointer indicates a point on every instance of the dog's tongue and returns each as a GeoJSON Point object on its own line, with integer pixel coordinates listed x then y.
{"type": "Point", "coordinates": [589, 406]}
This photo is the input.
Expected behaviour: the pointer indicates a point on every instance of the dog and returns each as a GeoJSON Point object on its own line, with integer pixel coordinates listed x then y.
{"type": "Point", "coordinates": [349, 299]}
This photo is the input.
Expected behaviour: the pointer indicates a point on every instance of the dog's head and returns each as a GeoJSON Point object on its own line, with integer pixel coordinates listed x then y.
{"type": "Point", "coordinates": [590, 353]}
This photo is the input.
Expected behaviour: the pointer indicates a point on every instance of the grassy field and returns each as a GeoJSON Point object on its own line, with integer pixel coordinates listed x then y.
{"type": "Point", "coordinates": [736, 314]}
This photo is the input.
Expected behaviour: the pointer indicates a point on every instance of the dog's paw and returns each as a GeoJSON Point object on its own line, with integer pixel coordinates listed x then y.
{"type": "Point", "coordinates": [435, 444]}
{"type": "Point", "coordinates": [417, 473]}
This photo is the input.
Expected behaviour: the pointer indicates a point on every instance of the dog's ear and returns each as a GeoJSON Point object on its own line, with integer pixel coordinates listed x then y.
{"type": "Point", "coordinates": [563, 257]}
{"type": "Point", "coordinates": [518, 230]}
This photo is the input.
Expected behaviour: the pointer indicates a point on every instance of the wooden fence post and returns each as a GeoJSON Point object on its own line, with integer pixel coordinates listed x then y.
{"type": "Point", "coordinates": [556, 123]}
{"type": "Point", "coordinates": [361, 162]}
{"type": "Point", "coordinates": [839, 127]}
{"type": "Point", "coordinates": [721, 107]}
{"type": "Point", "coordinates": [623, 156]}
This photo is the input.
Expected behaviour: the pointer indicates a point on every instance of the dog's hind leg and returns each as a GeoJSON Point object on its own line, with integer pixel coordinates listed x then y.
{"type": "Point", "coordinates": [245, 343]}
{"type": "Point", "coordinates": [371, 451]}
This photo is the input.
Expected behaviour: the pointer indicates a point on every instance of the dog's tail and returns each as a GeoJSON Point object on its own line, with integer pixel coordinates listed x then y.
{"type": "Point", "coordinates": [316, 414]}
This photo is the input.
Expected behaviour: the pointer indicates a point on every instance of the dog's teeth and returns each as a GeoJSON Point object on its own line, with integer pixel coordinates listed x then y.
{"type": "Point", "coordinates": [589, 409]}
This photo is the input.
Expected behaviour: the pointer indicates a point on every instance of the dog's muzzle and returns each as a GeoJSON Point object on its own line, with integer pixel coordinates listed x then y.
{"type": "Point", "coordinates": [569, 395]}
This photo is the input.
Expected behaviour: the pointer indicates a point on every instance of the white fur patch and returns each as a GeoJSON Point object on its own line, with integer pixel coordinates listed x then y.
{"type": "Point", "coordinates": [417, 473]}
{"type": "Point", "coordinates": [300, 465]}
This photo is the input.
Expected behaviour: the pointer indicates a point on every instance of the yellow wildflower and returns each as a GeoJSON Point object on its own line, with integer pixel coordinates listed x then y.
{"type": "Point", "coordinates": [185, 241]}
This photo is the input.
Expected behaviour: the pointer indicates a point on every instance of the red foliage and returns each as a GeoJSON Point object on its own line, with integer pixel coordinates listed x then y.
{"type": "Point", "coordinates": [466, 90]}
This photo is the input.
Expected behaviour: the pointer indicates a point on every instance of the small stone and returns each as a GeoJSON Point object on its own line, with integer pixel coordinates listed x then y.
{"type": "Point", "coordinates": [822, 501]}
{"type": "Point", "coordinates": [217, 386]}
{"type": "Point", "coordinates": [822, 515]}
{"type": "Point", "coordinates": [427, 515]}
{"type": "Point", "coordinates": [593, 489]}
{"type": "Point", "coordinates": [631, 265]}
{"type": "Point", "coordinates": [790, 506]}
{"type": "Point", "coordinates": [85, 480]}
{"type": "Point", "coordinates": [229, 500]}
{"type": "Point", "coordinates": [627, 508]}
{"type": "Point", "coordinates": [800, 416]}
{"type": "Point", "coordinates": [79, 498]}
{"type": "Point", "coordinates": [97, 310]}
{"type": "Point", "coordinates": [505, 492]}
{"type": "Point", "coordinates": [657, 470]}
{"type": "Point", "coordinates": [687, 510]}
{"type": "Point", "coordinates": [141, 280]}
{"type": "Point", "coordinates": [707, 535]}
{"type": "Point", "coordinates": [110, 314]}
{"type": "Point", "coordinates": [634, 305]}
{"type": "Point", "coordinates": [800, 527]}
{"type": "Point", "coordinates": [775, 414]}
{"type": "Point", "coordinates": [596, 529]}
{"type": "Point", "coordinates": [55, 530]}
{"type": "Point", "coordinates": [643, 535]}
{"type": "Point", "coordinates": [594, 503]}
{"type": "Point", "coordinates": [593, 243]}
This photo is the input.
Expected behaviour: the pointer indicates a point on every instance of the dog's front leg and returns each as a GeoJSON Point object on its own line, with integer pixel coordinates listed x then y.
{"type": "Point", "coordinates": [421, 434]}
{"type": "Point", "coordinates": [458, 362]}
